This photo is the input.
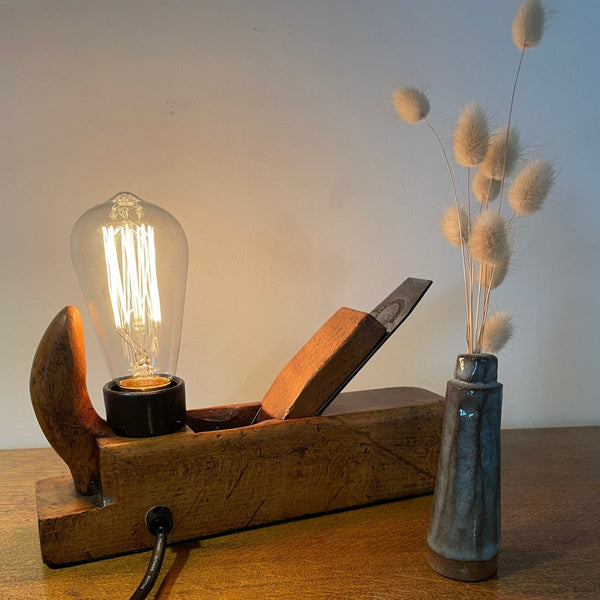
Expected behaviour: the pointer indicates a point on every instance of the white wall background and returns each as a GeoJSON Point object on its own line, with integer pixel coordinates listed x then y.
{"type": "Point", "coordinates": [266, 127]}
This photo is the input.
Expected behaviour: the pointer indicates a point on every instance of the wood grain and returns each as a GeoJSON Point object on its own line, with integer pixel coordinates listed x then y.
{"type": "Point", "coordinates": [61, 402]}
{"type": "Point", "coordinates": [322, 365]}
{"type": "Point", "coordinates": [551, 541]}
{"type": "Point", "coordinates": [221, 417]}
{"type": "Point", "coordinates": [224, 480]}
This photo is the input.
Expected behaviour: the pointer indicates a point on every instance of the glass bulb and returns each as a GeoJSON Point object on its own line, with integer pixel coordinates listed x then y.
{"type": "Point", "coordinates": [131, 259]}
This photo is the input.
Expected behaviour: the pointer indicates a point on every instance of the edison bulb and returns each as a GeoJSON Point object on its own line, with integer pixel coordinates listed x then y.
{"type": "Point", "coordinates": [131, 259]}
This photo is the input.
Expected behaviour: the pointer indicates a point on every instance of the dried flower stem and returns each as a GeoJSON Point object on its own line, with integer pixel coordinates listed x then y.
{"type": "Point", "coordinates": [479, 288]}
{"type": "Point", "coordinates": [471, 270]}
{"type": "Point", "coordinates": [480, 325]}
{"type": "Point", "coordinates": [484, 313]}
{"type": "Point", "coordinates": [465, 260]}
{"type": "Point", "coordinates": [510, 111]}
{"type": "Point", "coordinates": [488, 290]}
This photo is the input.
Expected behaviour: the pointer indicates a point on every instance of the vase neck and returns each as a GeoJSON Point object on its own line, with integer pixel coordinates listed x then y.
{"type": "Point", "coordinates": [476, 368]}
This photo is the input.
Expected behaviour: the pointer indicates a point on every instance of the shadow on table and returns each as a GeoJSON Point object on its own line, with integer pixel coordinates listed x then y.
{"type": "Point", "coordinates": [182, 554]}
{"type": "Point", "coordinates": [514, 560]}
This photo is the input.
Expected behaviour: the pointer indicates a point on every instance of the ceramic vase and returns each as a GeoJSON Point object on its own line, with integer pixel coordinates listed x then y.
{"type": "Point", "coordinates": [464, 533]}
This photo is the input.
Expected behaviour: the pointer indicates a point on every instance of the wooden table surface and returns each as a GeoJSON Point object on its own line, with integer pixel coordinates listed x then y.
{"type": "Point", "coordinates": [550, 529]}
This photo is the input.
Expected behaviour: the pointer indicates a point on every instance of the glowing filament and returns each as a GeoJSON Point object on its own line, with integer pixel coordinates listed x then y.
{"type": "Point", "coordinates": [130, 255]}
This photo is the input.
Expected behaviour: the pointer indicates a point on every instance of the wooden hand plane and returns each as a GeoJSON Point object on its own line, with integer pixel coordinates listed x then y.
{"type": "Point", "coordinates": [296, 453]}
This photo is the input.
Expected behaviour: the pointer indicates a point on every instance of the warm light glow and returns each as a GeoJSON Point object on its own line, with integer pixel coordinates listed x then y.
{"type": "Point", "coordinates": [130, 255]}
{"type": "Point", "coordinates": [122, 250]}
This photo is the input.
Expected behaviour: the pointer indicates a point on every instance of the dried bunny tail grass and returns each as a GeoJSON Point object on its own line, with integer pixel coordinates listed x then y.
{"type": "Point", "coordinates": [411, 104]}
{"type": "Point", "coordinates": [495, 165]}
{"type": "Point", "coordinates": [471, 136]}
{"type": "Point", "coordinates": [528, 24]}
{"type": "Point", "coordinates": [455, 226]}
{"type": "Point", "coordinates": [485, 188]}
{"type": "Point", "coordinates": [498, 329]}
{"type": "Point", "coordinates": [530, 187]}
{"type": "Point", "coordinates": [488, 240]}
{"type": "Point", "coordinates": [490, 277]}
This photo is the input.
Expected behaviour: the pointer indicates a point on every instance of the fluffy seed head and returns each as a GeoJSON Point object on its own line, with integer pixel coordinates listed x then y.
{"type": "Point", "coordinates": [485, 188]}
{"type": "Point", "coordinates": [530, 187]}
{"type": "Point", "coordinates": [471, 136]}
{"type": "Point", "coordinates": [455, 226]}
{"type": "Point", "coordinates": [493, 164]}
{"type": "Point", "coordinates": [489, 241]}
{"type": "Point", "coordinates": [411, 104]}
{"type": "Point", "coordinates": [528, 24]}
{"type": "Point", "coordinates": [492, 277]}
{"type": "Point", "coordinates": [498, 329]}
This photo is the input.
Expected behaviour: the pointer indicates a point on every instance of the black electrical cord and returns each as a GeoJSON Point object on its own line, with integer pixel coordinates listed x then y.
{"type": "Point", "coordinates": [160, 522]}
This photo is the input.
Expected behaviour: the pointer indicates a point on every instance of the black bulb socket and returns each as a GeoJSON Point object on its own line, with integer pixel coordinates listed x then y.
{"type": "Point", "coordinates": [145, 413]}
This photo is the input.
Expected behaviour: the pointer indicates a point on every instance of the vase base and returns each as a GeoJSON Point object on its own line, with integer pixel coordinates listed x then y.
{"type": "Point", "coordinates": [462, 570]}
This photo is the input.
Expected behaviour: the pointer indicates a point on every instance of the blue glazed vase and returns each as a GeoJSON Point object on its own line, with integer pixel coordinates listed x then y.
{"type": "Point", "coordinates": [464, 532]}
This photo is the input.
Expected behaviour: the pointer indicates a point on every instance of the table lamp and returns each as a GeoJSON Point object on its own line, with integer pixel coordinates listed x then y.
{"type": "Point", "coordinates": [154, 467]}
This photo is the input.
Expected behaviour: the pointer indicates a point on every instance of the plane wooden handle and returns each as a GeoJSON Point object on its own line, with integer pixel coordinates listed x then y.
{"type": "Point", "coordinates": [322, 365]}
{"type": "Point", "coordinates": [61, 402]}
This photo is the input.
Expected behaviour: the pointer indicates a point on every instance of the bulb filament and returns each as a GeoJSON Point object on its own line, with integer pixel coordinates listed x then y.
{"type": "Point", "coordinates": [130, 254]}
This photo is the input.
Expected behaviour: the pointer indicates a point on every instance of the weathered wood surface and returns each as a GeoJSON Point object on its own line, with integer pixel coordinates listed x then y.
{"type": "Point", "coordinates": [221, 417]}
{"type": "Point", "coordinates": [239, 415]}
{"type": "Point", "coordinates": [61, 402]}
{"type": "Point", "coordinates": [322, 365]}
{"type": "Point", "coordinates": [550, 541]}
{"type": "Point", "coordinates": [224, 480]}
